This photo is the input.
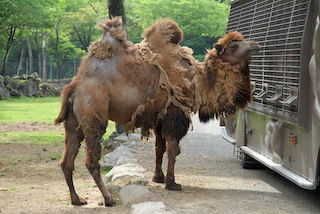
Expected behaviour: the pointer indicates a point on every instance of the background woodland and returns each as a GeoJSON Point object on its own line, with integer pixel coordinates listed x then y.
{"type": "Point", "coordinates": [50, 37]}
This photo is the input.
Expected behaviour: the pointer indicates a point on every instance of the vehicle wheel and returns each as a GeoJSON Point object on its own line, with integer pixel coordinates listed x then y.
{"type": "Point", "coordinates": [247, 162]}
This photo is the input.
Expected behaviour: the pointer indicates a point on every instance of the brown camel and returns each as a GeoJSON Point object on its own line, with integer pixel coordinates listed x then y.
{"type": "Point", "coordinates": [154, 85]}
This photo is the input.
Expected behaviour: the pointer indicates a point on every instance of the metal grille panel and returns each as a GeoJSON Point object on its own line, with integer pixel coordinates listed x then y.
{"type": "Point", "coordinates": [278, 27]}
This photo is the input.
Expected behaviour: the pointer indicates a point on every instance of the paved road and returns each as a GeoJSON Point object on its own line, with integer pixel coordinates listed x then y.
{"type": "Point", "coordinates": [214, 182]}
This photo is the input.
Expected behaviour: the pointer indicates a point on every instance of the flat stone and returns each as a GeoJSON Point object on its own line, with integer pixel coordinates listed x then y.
{"type": "Point", "coordinates": [125, 170]}
{"type": "Point", "coordinates": [130, 137]}
{"type": "Point", "coordinates": [150, 207]}
{"type": "Point", "coordinates": [123, 175]}
{"type": "Point", "coordinates": [130, 194]}
{"type": "Point", "coordinates": [111, 159]}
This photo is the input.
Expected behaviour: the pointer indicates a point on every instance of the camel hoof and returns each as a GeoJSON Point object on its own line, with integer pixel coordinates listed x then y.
{"type": "Point", "coordinates": [158, 179]}
{"type": "Point", "coordinates": [173, 186]}
{"type": "Point", "coordinates": [79, 202]}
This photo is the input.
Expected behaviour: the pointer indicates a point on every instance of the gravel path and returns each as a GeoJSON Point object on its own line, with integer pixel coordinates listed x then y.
{"type": "Point", "coordinates": [214, 182]}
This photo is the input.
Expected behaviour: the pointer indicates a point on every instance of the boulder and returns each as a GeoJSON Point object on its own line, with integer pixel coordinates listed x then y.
{"type": "Point", "coordinates": [150, 207]}
{"type": "Point", "coordinates": [133, 194]}
{"type": "Point", "coordinates": [24, 85]}
{"type": "Point", "coordinates": [129, 137]}
{"type": "Point", "coordinates": [47, 89]}
{"type": "Point", "coordinates": [4, 93]}
{"type": "Point", "coordinates": [125, 171]}
{"type": "Point", "coordinates": [126, 174]}
{"type": "Point", "coordinates": [7, 80]}
{"type": "Point", "coordinates": [120, 155]}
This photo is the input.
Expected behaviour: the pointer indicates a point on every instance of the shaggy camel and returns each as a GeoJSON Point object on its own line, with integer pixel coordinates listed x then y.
{"type": "Point", "coordinates": [154, 85]}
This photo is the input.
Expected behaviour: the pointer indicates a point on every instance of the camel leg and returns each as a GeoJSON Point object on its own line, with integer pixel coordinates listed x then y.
{"type": "Point", "coordinates": [173, 151]}
{"type": "Point", "coordinates": [160, 149]}
{"type": "Point", "coordinates": [92, 162]}
{"type": "Point", "coordinates": [72, 143]}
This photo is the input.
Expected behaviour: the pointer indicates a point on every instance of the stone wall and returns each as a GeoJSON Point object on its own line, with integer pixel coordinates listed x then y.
{"type": "Point", "coordinates": [29, 85]}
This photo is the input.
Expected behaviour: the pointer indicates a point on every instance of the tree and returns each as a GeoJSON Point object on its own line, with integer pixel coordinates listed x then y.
{"type": "Point", "coordinates": [116, 8]}
{"type": "Point", "coordinates": [44, 50]}
{"type": "Point", "coordinates": [30, 56]}
{"type": "Point", "coordinates": [22, 57]}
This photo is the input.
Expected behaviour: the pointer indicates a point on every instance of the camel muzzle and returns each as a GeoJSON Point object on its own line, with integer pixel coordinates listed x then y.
{"type": "Point", "coordinates": [254, 48]}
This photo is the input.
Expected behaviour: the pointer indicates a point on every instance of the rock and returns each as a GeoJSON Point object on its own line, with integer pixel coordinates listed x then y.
{"type": "Point", "coordinates": [150, 207]}
{"type": "Point", "coordinates": [124, 160]}
{"type": "Point", "coordinates": [109, 145]}
{"type": "Point", "coordinates": [133, 193]}
{"type": "Point", "coordinates": [61, 83]}
{"type": "Point", "coordinates": [47, 89]}
{"type": "Point", "coordinates": [24, 86]}
{"type": "Point", "coordinates": [7, 80]}
{"type": "Point", "coordinates": [4, 93]}
{"type": "Point", "coordinates": [121, 154]}
{"type": "Point", "coordinates": [126, 170]}
{"type": "Point", "coordinates": [123, 175]}
{"type": "Point", "coordinates": [130, 137]}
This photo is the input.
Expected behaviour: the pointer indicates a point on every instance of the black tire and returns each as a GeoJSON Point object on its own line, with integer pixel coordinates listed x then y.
{"type": "Point", "coordinates": [247, 162]}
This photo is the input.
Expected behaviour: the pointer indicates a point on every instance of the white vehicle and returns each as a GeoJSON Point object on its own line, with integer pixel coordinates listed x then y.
{"type": "Point", "coordinates": [281, 127]}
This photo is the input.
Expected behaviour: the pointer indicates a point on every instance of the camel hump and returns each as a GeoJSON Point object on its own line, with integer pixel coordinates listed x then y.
{"type": "Point", "coordinates": [115, 27]}
{"type": "Point", "coordinates": [115, 22]}
{"type": "Point", "coordinates": [164, 30]}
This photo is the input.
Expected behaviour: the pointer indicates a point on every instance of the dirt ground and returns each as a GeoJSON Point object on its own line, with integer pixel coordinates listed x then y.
{"type": "Point", "coordinates": [31, 180]}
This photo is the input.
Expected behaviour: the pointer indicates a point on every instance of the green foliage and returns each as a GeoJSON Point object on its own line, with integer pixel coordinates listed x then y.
{"type": "Point", "coordinates": [105, 171]}
{"type": "Point", "coordinates": [202, 22]}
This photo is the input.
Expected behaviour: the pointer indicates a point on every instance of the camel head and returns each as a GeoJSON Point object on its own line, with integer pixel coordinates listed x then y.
{"type": "Point", "coordinates": [234, 50]}
{"type": "Point", "coordinates": [225, 85]}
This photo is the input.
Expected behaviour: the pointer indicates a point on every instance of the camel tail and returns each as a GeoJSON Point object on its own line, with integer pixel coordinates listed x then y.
{"type": "Point", "coordinates": [65, 94]}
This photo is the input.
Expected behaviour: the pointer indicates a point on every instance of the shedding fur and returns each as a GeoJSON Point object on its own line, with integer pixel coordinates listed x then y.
{"type": "Point", "coordinates": [155, 84]}
{"type": "Point", "coordinates": [224, 87]}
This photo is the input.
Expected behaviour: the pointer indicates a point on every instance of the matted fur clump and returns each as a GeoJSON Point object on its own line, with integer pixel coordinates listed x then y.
{"type": "Point", "coordinates": [165, 30]}
{"type": "Point", "coordinates": [153, 85]}
{"type": "Point", "coordinates": [102, 48]}
{"type": "Point", "coordinates": [227, 87]}
{"type": "Point", "coordinates": [163, 39]}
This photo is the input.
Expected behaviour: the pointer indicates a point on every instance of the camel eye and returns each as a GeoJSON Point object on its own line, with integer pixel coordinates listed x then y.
{"type": "Point", "coordinates": [233, 47]}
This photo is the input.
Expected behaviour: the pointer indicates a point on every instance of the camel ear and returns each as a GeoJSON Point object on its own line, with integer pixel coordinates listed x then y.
{"type": "Point", "coordinates": [218, 47]}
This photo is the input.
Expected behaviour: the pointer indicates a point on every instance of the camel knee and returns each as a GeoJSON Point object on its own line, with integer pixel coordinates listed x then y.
{"type": "Point", "coordinates": [173, 148]}
{"type": "Point", "coordinates": [92, 166]}
{"type": "Point", "coordinates": [66, 166]}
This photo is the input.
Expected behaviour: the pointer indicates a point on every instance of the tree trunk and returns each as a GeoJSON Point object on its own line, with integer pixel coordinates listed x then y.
{"type": "Point", "coordinates": [44, 59]}
{"type": "Point", "coordinates": [57, 54]}
{"type": "Point", "coordinates": [30, 56]}
{"type": "Point", "coordinates": [116, 8]}
{"type": "Point", "coordinates": [39, 55]}
{"type": "Point", "coordinates": [8, 49]}
{"type": "Point", "coordinates": [22, 58]}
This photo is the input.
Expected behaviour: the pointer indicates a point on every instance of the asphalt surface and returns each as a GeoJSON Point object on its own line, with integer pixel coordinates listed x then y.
{"type": "Point", "coordinates": [214, 182]}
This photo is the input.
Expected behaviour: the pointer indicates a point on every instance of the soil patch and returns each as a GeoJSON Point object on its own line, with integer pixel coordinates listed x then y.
{"type": "Point", "coordinates": [31, 180]}
{"type": "Point", "coordinates": [29, 127]}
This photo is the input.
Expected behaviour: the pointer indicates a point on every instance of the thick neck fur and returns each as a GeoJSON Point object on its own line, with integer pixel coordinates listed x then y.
{"type": "Point", "coordinates": [223, 88]}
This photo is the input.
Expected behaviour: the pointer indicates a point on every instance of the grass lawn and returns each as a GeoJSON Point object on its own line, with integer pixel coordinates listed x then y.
{"type": "Point", "coordinates": [34, 109]}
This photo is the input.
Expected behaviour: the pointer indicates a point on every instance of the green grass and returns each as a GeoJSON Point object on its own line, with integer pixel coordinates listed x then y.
{"type": "Point", "coordinates": [33, 109]}
{"type": "Point", "coordinates": [32, 137]}
{"type": "Point", "coordinates": [105, 171]}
